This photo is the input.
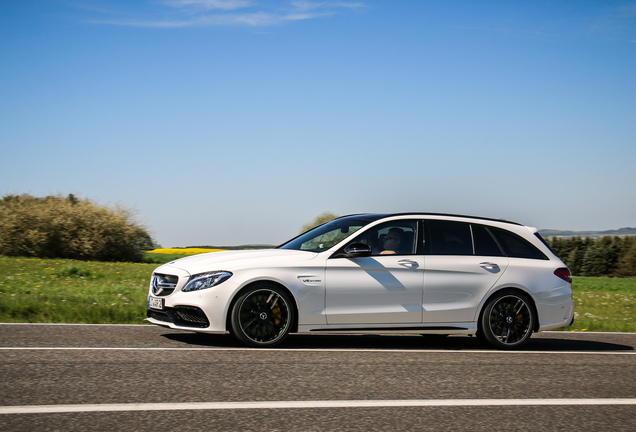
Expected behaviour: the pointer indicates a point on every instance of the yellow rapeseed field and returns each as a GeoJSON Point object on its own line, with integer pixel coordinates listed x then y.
{"type": "Point", "coordinates": [184, 251]}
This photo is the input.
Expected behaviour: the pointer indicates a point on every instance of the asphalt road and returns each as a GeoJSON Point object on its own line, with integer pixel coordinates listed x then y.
{"type": "Point", "coordinates": [147, 378]}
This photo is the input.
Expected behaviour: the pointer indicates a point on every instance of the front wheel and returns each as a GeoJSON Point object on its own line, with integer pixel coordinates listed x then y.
{"type": "Point", "coordinates": [262, 316]}
{"type": "Point", "coordinates": [507, 320]}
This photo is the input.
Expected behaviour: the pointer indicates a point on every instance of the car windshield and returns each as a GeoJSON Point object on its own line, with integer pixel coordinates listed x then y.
{"type": "Point", "coordinates": [326, 236]}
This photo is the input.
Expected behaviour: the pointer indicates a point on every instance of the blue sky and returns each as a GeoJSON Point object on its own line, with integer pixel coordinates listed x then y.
{"type": "Point", "coordinates": [238, 121]}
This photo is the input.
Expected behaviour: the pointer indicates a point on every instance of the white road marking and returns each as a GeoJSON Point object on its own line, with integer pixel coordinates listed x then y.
{"type": "Point", "coordinates": [78, 324]}
{"type": "Point", "coordinates": [155, 327]}
{"type": "Point", "coordinates": [314, 350]}
{"type": "Point", "coordinates": [56, 409]}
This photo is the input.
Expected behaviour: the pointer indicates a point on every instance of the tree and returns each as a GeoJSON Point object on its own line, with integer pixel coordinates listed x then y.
{"type": "Point", "coordinates": [608, 256]}
{"type": "Point", "coordinates": [69, 227]}
{"type": "Point", "coordinates": [594, 262]}
{"type": "Point", "coordinates": [626, 266]}
{"type": "Point", "coordinates": [611, 248]}
{"type": "Point", "coordinates": [575, 259]}
{"type": "Point", "coordinates": [322, 218]}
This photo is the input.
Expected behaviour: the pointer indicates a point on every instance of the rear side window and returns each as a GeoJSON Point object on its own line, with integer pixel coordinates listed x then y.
{"type": "Point", "coordinates": [485, 244]}
{"type": "Point", "coordinates": [448, 238]}
{"type": "Point", "coordinates": [515, 246]}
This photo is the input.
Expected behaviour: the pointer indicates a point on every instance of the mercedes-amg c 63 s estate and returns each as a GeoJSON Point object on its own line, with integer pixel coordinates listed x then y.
{"type": "Point", "coordinates": [417, 273]}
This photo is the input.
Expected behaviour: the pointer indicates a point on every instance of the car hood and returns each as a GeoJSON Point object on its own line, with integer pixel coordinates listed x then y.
{"type": "Point", "coordinates": [236, 260]}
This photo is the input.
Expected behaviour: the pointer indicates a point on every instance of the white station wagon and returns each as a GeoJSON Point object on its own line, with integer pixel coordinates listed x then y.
{"type": "Point", "coordinates": [402, 273]}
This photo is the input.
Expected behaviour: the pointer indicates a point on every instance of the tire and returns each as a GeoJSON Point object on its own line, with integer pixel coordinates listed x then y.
{"type": "Point", "coordinates": [262, 316]}
{"type": "Point", "coordinates": [507, 320]}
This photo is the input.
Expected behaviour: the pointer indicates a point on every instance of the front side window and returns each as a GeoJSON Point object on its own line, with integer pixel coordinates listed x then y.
{"type": "Point", "coordinates": [391, 238]}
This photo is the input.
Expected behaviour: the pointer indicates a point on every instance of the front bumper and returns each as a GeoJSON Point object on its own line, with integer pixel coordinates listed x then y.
{"type": "Point", "coordinates": [179, 316]}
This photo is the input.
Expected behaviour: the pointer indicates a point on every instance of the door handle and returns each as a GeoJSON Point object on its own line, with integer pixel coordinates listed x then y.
{"type": "Point", "coordinates": [408, 263]}
{"type": "Point", "coordinates": [488, 266]}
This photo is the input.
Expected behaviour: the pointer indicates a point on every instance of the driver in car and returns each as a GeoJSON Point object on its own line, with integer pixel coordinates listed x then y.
{"type": "Point", "coordinates": [392, 241]}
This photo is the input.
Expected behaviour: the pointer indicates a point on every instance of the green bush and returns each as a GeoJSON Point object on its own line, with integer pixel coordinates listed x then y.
{"type": "Point", "coordinates": [68, 227]}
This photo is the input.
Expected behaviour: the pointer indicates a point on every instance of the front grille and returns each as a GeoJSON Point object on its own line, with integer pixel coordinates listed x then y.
{"type": "Point", "coordinates": [184, 316]}
{"type": "Point", "coordinates": [163, 285]}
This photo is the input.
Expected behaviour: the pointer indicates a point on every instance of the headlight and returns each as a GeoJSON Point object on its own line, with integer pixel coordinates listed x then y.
{"type": "Point", "coordinates": [206, 280]}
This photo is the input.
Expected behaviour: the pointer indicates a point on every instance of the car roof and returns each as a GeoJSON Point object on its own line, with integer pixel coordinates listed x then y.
{"type": "Point", "coordinates": [385, 215]}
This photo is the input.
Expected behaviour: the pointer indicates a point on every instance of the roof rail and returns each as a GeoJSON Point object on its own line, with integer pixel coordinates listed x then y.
{"type": "Point", "coordinates": [453, 215]}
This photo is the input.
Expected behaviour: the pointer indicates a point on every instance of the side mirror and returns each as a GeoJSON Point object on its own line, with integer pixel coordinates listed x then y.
{"type": "Point", "coordinates": [355, 250]}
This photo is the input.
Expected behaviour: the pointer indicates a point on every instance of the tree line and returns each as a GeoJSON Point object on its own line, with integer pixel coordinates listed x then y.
{"type": "Point", "coordinates": [607, 256]}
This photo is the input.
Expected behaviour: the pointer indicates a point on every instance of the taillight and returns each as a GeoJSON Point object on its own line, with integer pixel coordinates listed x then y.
{"type": "Point", "coordinates": [564, 273]}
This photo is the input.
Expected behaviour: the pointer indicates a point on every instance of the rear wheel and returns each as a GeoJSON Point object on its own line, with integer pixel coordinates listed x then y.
{"type": "Point", "coordinates": [507, 320]}
{"type": "Point", "coordinates": [262, 316]}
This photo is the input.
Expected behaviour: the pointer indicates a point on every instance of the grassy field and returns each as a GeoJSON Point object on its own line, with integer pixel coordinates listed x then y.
{"type": "Point", "coordinates": [604, 304]}
{"type": "Point", "coordinates": [68, 291]}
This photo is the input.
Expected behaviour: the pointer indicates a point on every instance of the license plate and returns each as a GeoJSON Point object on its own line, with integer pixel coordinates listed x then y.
{"type": "Point", "coordinates": [155, 303]}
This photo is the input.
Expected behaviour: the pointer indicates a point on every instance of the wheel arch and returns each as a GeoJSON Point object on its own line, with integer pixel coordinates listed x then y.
{"type": "Point", "coordinates": [511, 289]}
{"type": "Point", "coordinates": [252, 284]}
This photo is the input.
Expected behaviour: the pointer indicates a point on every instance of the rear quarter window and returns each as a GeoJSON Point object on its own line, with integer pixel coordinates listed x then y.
{"type": "Point", "coordinates": [516, 246]}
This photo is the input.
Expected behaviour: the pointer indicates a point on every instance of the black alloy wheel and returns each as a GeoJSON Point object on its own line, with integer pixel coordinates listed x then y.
{"type": "Point", "coordinates": [262, 316]}
{"type": "Point", "coordinates": [507, 321]}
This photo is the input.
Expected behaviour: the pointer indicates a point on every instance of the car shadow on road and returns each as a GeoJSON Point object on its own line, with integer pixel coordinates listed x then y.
{"type": "Point", "coordinates": [400, 342]}
{"type": "Point", "coordinates": [559, 344]}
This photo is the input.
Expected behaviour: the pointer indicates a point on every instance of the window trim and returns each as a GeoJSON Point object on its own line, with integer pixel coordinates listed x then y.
{"type": "Point", "coordinates": [492, 232]}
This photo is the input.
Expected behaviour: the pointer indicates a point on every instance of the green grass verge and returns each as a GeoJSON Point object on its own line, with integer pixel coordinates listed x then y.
{"type": "Point", "coordinates": [69, 291]}
{"type": "Point", "coordinates": [604, 304]}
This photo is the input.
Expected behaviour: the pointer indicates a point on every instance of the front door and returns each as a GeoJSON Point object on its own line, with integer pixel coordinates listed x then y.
{"type": "Point", "coordinates": [385, 288]}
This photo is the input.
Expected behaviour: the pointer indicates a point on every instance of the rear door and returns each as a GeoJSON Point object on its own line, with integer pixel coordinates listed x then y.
{"type": "Point", "coordinates": [459, 271]}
